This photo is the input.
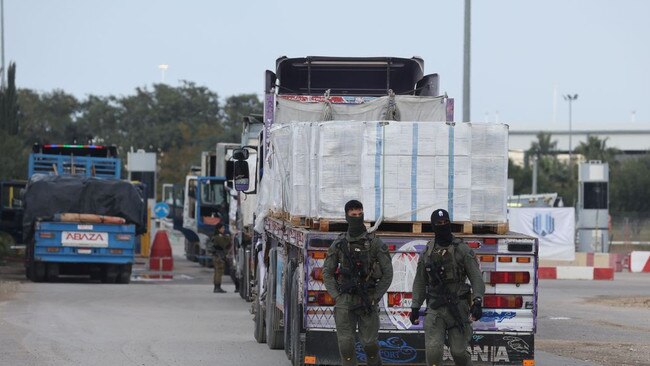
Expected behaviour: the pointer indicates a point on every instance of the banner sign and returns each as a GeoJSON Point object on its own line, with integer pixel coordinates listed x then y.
{"type": "Point", "coordinates": [553, 226]}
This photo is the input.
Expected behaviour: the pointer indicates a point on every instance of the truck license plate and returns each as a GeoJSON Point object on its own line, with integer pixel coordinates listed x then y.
{"type": "Point", "coordinates": [88, 239]}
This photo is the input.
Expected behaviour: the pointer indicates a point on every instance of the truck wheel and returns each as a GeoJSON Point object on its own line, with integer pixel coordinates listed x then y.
{"type": "Point", "coordinates": [289, 292]}
{"type": "Point", "coordinates": [244, 278]}
{"type": "Point", "coordinates": [274, 331]}
{"type": "Point", "coordinates": [109, 273]}
{"type": "Point", "coordinates": [260, 330]}
{"type": "Point", "coordinates": [124, 276]}
{"type": "Point", "coordinates": [297, 344]}
{"type": "Point", "coordinates": [52, 272]}
{"type": "Point", "coordinates": [36, 271]}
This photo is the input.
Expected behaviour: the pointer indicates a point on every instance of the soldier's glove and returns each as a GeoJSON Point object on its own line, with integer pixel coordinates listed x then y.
{"type": "Point", "coordinates": [415, 316]}
{"type": "Point", "coordinates": [476, 311]}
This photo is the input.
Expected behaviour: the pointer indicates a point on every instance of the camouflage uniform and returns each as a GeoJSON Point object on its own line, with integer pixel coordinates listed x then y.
{"type": "Point", "coordinates": [354, 309]}
{"type": "Point", "coordinates": [219, 246]}
{"type": "Point", "coordinates": [455, 262]}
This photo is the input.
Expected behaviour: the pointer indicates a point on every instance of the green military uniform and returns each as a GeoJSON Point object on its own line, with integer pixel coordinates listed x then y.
{"type": "Point", "coordinates": [358, 305]}
{"type": "Point", "coordinates": [219, 246]}
{"type": "Point", "coordinates": [454, 264]}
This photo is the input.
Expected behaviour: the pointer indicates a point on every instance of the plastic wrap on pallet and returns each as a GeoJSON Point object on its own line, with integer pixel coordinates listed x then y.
{"type": "Point", "coordinates": [339, 166]}
{"type": "Point", "coordinates": [489, 172]}
{"type": "Point", "coordinates": [411, 108]}
{"type": "Point", "coordinates": [300, 192]}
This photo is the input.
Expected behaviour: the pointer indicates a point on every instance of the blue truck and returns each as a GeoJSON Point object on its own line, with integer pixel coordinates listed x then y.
{"type": "Point", "coordinates": [79, 217]}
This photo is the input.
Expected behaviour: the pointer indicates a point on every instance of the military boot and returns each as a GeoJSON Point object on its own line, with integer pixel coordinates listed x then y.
{"type": "Point", "coordinates": [218, 289]}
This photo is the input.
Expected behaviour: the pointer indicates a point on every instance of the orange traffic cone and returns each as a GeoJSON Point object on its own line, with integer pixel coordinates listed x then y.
{"type": "Point", "coordinates": [160, 258]}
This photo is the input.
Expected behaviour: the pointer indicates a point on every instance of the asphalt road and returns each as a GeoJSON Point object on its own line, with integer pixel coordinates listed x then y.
{"type": "Point", "coordinates": [181, 322]}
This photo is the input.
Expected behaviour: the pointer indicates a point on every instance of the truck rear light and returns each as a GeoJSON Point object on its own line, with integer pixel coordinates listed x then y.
{"type": "Point", "coordinates": [490, 241]}
{"type": "Point", "coordinates": [116, 251]}
{"type": "Point", "coordinates": [53, 249]}
{"type": "Point", "coordinates": [523, 259]}
{"type": "Point", "coordinates": [317, 274]}
{"type": "Point", "coordinates": [123, 237]}
{"type": "Point", "coordinates": [400, 299]}
{"type": "Point", "coordinates": [318, 255]}
{"type": "Point", "coordinates": [503, 302]}
{"type": "Point", "coordinates": [506, 277]}
{"type": "Point", "coordinates": [474, 244]}
{"type": "Point", "coordinates": [321, 298]}
{"type": "Point", "coordinates": [46, 235]}
{"type": "Point", "coordinates": [504, 259]}
{"type": "Point", "coordinates": [392, 247]}
{"type": "Point", "coordinates": [486, 258]}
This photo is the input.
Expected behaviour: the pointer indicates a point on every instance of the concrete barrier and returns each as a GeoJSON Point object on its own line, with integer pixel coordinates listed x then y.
{"type": "Point", "coordinates": [640, 261]}
{"type": "Point", "coordinates": [575, 273]}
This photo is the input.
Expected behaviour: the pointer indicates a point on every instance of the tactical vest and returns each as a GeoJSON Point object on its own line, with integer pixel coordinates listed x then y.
{"type": "Point", "coordinates": [443, 264]}
{"type": "Point", "coordinates": [356, 262]}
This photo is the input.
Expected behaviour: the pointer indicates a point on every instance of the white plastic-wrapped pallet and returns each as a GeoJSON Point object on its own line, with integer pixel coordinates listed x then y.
{"type": "Point", "coordinates": [339, 166]}
{"type": "Point", "coordinates": [300, 192]}
{"type": "Point", "coordinates": [489, 172]}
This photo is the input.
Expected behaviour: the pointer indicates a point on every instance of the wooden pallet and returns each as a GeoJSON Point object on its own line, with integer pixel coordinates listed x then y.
{"type": "Point", "coordinates": [417, 227]}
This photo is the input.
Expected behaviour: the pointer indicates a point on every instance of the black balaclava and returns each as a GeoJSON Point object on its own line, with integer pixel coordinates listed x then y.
{"type": "Point", "coordinates": [355, 225]}
{"type": "Point", "coordinates": [443, 232]}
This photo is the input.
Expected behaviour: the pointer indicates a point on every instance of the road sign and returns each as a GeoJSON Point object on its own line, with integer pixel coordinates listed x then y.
{"type": "Point", "coordinates": [161, 210]}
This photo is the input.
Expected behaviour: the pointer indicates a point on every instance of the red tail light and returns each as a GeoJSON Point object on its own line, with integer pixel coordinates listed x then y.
{"type": "Point", "coordinates": [318, 255]}
{"type": "Point", "coordinates": [397, 299]}
{"type": "Point", "coordinates": [490, 241]}
{"type": "Point", "coordinates": [507, 277]}
{"type": "Point", "coordinates": [503, 302]}
{"type": "Point", "coordinates": [474, 244]}
{"type": "Point", "coordinates": [317, 274]}
{"type": "Point", "coordinates": [321, 298]}
{"type": "Point", "coordinates": [46, 235]}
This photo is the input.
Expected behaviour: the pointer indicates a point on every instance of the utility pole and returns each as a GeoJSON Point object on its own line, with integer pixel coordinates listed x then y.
{"type": "Point", "coordinates": [466, 60]}
{"type": "Point", "coordinates": [2, 42]}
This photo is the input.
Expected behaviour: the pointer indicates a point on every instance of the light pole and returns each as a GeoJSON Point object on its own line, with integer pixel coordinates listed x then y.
{"type": "Point", "coordinates": [163, 68]}
{"type": "Point", "coordinates": [570, 98]}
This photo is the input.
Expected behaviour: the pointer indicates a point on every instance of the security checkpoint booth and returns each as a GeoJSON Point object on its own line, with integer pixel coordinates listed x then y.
{"type": "Point", "coordinates": [592, 210]}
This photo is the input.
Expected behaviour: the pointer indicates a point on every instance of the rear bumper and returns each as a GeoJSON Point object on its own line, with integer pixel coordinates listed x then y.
{"type": "Point", "coordinates": [407, 348]}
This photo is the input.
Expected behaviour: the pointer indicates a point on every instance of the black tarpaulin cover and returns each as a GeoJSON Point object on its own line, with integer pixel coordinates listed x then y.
{"type": "Point", "coordinates": [46, 196]}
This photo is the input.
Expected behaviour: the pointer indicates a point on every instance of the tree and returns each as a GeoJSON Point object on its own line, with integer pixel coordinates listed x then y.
{"type": "Point", "coordinates": [9, 103]}
{"type": "Point", "coordinates": [543, 146]}
{"type": "Point", "coordinates": [596, 149]}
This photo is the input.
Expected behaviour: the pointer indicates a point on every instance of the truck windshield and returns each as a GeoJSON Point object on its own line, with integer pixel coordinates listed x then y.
{"type": "Point", "coordinates": [212, 192]}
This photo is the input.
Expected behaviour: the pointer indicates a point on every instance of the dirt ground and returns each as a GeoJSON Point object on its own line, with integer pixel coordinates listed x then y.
{"type": "Point", "coordinates": [11, 273]}
{"type": "Point", "coordinates": [602, 353]}
{"type": "Point", "coordinates": [624, 302]}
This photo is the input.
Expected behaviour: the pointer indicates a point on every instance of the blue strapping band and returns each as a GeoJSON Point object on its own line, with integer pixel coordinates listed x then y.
{"type": "Point", "coordinates": [378, 188]}
{"type": "Point", "coordinates": [450, 185]}
{"type": "Point", "coordinates": [414, 174]}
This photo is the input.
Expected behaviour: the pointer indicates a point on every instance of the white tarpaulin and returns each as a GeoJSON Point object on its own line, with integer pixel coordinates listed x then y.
{"type": "Point", "coordinates": [554, 227]}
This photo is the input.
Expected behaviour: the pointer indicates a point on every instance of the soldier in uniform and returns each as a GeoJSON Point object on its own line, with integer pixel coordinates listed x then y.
{"type": "Point", "coordinates": [441, 280]}
{"type": "Point", "coordinates": [357, 273]}
{"type": "Point", "coordinates": [219, 244]}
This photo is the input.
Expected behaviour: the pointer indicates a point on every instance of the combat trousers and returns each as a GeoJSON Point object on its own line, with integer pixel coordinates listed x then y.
{"type": "Point", "coordinates": [219, 267]}
{"type": "Point", "coordinates": [346, 327]}
{"type": "Point", "coordinates": [439, 322]}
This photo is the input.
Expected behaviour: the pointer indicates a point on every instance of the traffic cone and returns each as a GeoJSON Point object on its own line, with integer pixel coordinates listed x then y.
{"type": "Point", "coordinates": [160, 258]}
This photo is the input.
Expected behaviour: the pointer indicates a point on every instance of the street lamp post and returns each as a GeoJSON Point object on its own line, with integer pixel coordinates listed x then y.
{"type": "Point", "coordinates": [570, 98]}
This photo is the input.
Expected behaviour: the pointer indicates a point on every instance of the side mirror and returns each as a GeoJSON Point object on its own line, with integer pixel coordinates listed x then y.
{"type": "Point", "coordinates": [241, 175]}
{"type": "Point", "coordinates": [240, 154]}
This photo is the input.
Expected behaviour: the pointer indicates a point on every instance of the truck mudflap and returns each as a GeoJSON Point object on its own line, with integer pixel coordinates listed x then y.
{"type": "Point", "coordinates": [407, 348]}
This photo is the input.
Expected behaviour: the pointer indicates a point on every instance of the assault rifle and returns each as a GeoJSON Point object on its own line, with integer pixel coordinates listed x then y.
{"type": "Point", "coordinates": [448, 299]}
{"type": "Point", "coordinates": [356, 280]}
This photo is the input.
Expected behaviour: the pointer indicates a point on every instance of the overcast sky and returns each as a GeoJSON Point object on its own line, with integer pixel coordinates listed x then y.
{"type": "Point", "coordinates": [523, 52]}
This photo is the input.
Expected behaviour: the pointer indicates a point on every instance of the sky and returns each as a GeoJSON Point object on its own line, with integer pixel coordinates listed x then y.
{"type": "Point", "coordinates": [525, 54]}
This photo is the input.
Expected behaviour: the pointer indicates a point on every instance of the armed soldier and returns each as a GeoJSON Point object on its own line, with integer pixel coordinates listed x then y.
{"type": "Point", "coordinates": [357, 272]}
{"type": "Point", "coordinates": [441, 280]}
{"type": "Point", "coordinates": [219, 245]}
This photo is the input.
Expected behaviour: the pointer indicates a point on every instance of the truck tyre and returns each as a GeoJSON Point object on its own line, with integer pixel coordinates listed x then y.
{"type": "Point", "coordinates": [274, 331]}
{"type": "Point", "coordinates": [124, 275]}
{"type": "Point", "coordinates": [51, 272]}
{"type": "Point", "coordinates": [289, 292]}
{"type": "Point", "coordinates": [244, 278]}
{"type": "Point", "coordinates": [37, 271]}
{"type": "Point", "coordinates": [297, 343]}
{"type": "Point", "coordinates": [260, 330]}
{"type": "Point", "coordinates": [109, 273]}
